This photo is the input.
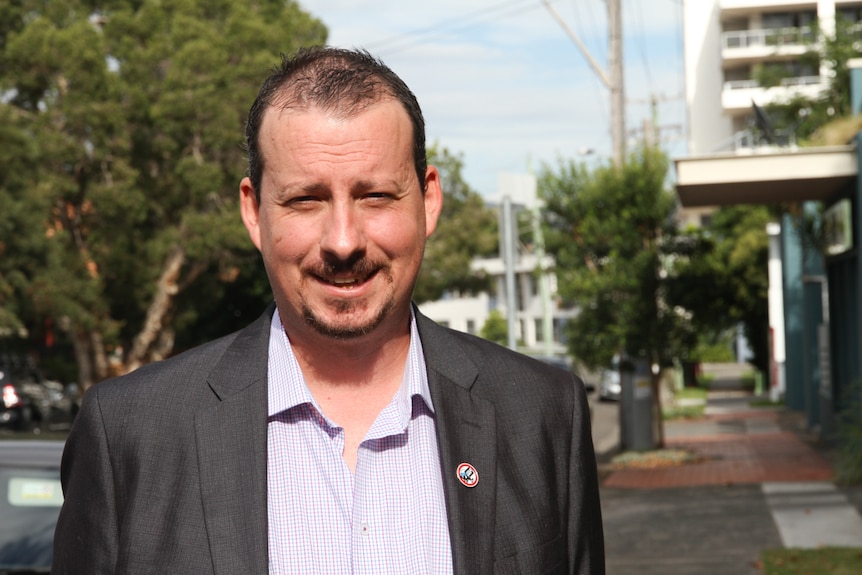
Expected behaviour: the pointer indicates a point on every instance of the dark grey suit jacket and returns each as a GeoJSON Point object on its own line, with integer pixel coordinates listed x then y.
{"type": "Point", "coordinates": [165, 469]}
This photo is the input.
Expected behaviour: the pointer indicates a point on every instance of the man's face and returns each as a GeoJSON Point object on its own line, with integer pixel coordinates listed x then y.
{"type": "Point", "coordinates": [342, 220]}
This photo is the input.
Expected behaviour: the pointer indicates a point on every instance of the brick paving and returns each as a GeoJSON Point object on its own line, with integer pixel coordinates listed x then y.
{"type": "Point", "coordinates": [737, 448]}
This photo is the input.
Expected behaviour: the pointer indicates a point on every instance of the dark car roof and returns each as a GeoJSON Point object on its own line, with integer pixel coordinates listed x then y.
{"type": "Point", "coordinates": [41, 453]}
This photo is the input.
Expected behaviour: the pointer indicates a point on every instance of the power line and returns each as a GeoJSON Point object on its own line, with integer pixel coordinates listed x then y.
{"type": "Point", "coordinates": [598, 88]}
{"type": "Point", "coordinates": [454, 26]}
{"type": "Point", "coordinates": [641, 34]}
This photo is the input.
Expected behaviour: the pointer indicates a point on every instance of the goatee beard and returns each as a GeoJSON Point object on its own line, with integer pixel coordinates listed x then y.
{"type": "Point", "coordinates": [344, 333]}
{"type": "Point", "coordinates": [357, 266]}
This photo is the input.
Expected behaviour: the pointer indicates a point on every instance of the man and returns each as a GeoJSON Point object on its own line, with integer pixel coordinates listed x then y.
{"type": "Point", "coordinates": [342, 432]}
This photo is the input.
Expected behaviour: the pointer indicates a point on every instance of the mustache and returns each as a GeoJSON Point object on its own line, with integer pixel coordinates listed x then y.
{"type": "Point", "coordinates": [359, 266]}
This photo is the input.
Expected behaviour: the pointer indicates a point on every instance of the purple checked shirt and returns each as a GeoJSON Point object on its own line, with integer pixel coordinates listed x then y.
{"type": "Point", "coordinates": [388, 517]}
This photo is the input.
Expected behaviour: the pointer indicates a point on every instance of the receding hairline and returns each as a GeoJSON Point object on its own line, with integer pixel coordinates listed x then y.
{"type": "Point", "coordinates": [290, 99]}
{"type": "Point", "coordinates": [274, 114]}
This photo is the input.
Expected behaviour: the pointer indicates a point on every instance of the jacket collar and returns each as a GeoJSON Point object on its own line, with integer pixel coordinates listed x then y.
{"type": "Point", "coordinates": [466, 433]}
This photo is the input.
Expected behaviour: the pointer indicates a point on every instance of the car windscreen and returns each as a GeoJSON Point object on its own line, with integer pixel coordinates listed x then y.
{"type": "Point", "coordinates": [30, 501]}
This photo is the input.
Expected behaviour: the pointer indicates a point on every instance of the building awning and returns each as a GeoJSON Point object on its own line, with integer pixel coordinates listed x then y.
{"type": "Point", "coordinates": [776, 176]}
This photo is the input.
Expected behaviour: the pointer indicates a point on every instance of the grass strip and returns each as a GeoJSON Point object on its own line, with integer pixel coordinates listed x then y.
{"type": "Point", "coordinates": [823, 561]}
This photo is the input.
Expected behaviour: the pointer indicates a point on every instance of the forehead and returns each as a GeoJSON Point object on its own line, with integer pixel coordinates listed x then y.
{"type": "Point", "coordinates": [314, 148]}
{"type": "Point", "coordinates": [379, 126]}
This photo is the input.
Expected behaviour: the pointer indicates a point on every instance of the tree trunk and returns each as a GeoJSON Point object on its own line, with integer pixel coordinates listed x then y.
{"type": "Point", "coordinates": [90, 356]}
{"type": "Point", "coordinates": [81, 345]}
{"type": "Point", "coordinates": [160, 308]}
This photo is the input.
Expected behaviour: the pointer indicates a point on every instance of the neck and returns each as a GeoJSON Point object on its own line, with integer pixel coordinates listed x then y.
{"type": "Point", "coordinates": [354, 380]}
{"type": "Point", "coordinates": [362, 361]}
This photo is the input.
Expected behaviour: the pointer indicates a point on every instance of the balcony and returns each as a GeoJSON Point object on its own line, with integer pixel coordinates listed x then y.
{"type": "Point", "coordinates": [737, 95]}
{"type": "Point", "coordinates": [775, 37]}
{"type": "Point", "coordinates": [754, 45]}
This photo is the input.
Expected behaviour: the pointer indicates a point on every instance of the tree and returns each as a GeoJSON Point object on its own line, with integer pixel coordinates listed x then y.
{"type": "Point", "coordinates": [495, 328]}
{"type": "Point", "coordinates": [722, 281]}
{"type": "Point", "coordinates": [607, 230]}
{"type": "Point", "coordinates": [135, 111]}
{"type": "Point", "coordinates": [466, 229]}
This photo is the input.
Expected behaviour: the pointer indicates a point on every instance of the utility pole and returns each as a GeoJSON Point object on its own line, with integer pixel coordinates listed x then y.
{"type": "Point", "coordinates": [613, 78]}
{"type": "Point", "coordinates": [615, 61]}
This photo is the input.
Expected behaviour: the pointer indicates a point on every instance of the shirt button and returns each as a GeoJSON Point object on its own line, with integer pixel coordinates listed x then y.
{"type": "Point", "coordinates": [364, 529]}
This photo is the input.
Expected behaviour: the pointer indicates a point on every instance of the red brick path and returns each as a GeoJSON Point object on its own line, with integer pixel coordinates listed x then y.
{"type": "Point", "coordinates": [729, 458]}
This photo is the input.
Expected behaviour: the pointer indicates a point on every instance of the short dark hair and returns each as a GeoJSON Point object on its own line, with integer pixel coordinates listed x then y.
{"type": "Point", "coordinates": [334, 79]}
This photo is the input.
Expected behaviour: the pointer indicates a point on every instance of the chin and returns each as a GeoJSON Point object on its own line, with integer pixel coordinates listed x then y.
{"type": "Point", "coordinates": [346, 330]}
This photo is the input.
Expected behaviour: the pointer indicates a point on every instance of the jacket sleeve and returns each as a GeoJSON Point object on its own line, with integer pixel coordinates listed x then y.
{"type": "Point", "coordinates": [86, 536]}
{"type": "Point", "coordinates": [586, 540]}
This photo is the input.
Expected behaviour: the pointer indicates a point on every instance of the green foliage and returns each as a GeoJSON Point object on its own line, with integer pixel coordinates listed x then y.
{"type": "Point", "coordinates": [848, 466]}
{"type": "Point", "coordinates": [714, 348]}
{"type": "Point", "coordinates": [121, 143]}
{"type": "Point", "coordinates": [608, 230]}
{"type": "Point", "coordinates": [495, 328]}
{"type": "Point", "coordinates": [722, 279]}
{"type": "Point", "coordinates": [466, 229]}
{"type": "Point", "coordinates": [770, 74]}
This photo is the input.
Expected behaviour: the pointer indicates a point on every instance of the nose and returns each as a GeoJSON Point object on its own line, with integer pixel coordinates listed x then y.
{"type": "Point", "coordinates": [343, 236]}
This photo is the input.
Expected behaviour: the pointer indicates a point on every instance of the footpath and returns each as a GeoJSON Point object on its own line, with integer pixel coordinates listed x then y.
{"type": "Point", "coordinates": [755, 480]}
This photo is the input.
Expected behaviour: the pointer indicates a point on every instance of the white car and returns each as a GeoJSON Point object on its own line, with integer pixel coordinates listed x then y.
{"type": "Point", "coordinates": [610, 386]}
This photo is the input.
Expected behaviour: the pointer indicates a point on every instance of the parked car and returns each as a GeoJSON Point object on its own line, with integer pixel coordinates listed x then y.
{"type": "Point", "coordinates": [30, 401]}
{"type": "Point", "coordinates": [610, 386]}
{"type": "Point", "coordinates": [30, 500]}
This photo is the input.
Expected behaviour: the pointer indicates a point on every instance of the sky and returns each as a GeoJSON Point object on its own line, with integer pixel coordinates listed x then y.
{"type": "Point", "coordinates": [502, 84]}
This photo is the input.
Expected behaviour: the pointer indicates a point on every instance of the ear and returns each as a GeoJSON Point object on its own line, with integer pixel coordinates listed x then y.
{"type": "Point", "coordinates": [433, 199]}
{"type": "Point", "coordinates": [250, 210]}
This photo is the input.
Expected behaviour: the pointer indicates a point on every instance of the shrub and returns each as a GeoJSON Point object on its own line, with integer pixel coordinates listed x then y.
{"type": "Point", "coordinates": [848, 465]}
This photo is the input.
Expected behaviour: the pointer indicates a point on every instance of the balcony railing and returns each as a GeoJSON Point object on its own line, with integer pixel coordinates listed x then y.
{"type": "Point", "coordinates": [750, 140]}
{"type": "Point", "coordinates": [786, 82]}
{"type": "Point", "coordinates": [773, 37]}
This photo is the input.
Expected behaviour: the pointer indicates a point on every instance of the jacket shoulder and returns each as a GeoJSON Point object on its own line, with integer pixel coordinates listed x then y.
{"type": "Point", "coordinates": [496, 368]}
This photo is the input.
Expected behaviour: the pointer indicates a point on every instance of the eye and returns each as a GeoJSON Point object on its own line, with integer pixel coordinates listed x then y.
{"type": "Point", "coordinates": [301, 202]}
{"type": "Point", "coordinates": [378, 197]}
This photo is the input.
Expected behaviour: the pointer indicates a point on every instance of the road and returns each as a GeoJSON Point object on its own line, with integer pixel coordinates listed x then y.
{"type": "Point", "coordinates": [605, 426]}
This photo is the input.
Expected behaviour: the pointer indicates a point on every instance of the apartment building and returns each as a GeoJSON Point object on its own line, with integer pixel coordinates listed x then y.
{"type": "Point", "coordinates": [745, 53]}
{"type": "Point", "coordinates": [741, 56]}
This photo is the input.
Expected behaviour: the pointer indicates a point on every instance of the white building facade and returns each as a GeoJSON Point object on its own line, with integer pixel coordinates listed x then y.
{"type": "Point", "coordinates": [730, 45]}
{"type": "Point", "coordinates": [537, 306]}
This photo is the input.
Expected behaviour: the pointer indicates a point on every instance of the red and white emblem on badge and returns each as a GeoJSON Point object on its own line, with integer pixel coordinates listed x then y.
{"type": "Point", "coordinates": [467, 475]}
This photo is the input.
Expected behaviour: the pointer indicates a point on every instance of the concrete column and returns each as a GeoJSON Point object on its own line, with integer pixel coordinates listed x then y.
{"type": "Point", "coordinates": [776, 314]}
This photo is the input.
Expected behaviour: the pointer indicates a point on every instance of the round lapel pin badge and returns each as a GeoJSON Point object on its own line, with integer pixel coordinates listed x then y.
{"type": "Point", "coordinates": [467, 475]}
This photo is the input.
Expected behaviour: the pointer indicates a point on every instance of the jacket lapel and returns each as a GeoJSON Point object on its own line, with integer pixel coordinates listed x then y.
{"type": "Point", "coordinates": [232, 450]}
{"type": "Point", "coordinates": [466, 432]}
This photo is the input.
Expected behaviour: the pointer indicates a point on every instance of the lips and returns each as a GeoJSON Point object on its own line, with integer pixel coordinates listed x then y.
{"type": "Point", "coordinates": [346, 275]}
{"type": "Point", "coordinates": [346, 282]}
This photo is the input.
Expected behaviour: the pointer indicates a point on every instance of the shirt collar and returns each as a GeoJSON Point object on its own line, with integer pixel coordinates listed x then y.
{"type": "Point", "coordinates": [287, 388]}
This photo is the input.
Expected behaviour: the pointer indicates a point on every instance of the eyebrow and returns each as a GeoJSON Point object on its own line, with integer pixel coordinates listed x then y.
{"type": "Point", "coordinates": [357, 187]}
